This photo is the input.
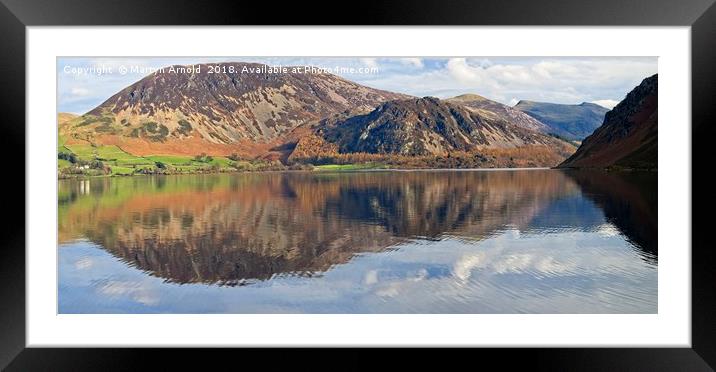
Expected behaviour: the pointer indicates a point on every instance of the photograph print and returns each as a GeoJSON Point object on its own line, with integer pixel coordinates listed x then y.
{"type": "Point", "coordinates": [478, 185]}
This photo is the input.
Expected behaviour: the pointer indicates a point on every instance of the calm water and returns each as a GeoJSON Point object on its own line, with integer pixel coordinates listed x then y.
{"type": "Point", "coordinates": [523, 241]}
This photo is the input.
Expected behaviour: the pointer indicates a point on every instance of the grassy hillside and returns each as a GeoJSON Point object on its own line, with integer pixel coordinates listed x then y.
{"type": "Point", "coordinates": [97, 160]}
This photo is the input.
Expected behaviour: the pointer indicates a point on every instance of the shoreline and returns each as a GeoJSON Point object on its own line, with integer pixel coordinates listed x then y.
{"type": "Point", "coordinates": [359, 170]}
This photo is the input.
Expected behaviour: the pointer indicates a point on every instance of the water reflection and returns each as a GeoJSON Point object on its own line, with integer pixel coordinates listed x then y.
{"type": "Point", "coordinates": [628, 200]}
{"type": "Point", "coordinates": [399, 241]}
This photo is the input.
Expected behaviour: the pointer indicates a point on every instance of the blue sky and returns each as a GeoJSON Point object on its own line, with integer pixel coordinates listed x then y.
{"type": "Point", "coordinates": [570, 80]}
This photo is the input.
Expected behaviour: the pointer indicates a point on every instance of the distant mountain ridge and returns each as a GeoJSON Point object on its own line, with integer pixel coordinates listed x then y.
{"type": "Point", "coordinates": [628, 136]}
{"type": "Point", "coordinates": [572, 122]}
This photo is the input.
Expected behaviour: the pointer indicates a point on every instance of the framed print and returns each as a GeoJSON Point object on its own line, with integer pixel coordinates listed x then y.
{"type": "Point", "coordinates": [461, 178]}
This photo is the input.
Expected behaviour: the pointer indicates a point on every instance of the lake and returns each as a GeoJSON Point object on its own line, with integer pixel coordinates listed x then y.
{"type": "Point", "coordinates": [425, 241]}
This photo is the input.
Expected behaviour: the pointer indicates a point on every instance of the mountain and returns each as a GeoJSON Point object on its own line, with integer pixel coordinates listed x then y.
{"type": "Point", "coordinates": [496, 110]}
{"type": "Point", "coordinates": [193, 109]}
{"type": "Point", "coordinates": [628, 136]}
{"type": "Point", "coordinates": [265, 113]}
{"type": "Point", "coordinates": [572, 122]}
{"type": "Point", "coordinates": [64, 117]}
{"type": "Point", "coordinates": [426, 127]}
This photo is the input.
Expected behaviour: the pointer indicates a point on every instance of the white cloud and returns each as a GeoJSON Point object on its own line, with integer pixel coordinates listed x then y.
{"type": "Point", "coordinates": [393, 288]}
{"type": "Point", "coordinates": [84, 263]}
{"type": "Point", "coordinates": [135, 291]}
{"type": "Point", "coordinates": [462, 72]}
{"type": "Point", "coordinates": [415, 62]}
{"type": "Point", "coordinates": [608, 103]}
{"type": "Point", "coordinates": [79, 91]}
{"type": "Point", "coordinates": [371, 277]}
{"type": "Point", "coordinates": [548, 79]}
{"type": "Point", "coordinates": [369, 62]}
{"type": "Point", "coordinates": [462, 269]}
{"type": "Point", "coordinates": [607, 230]}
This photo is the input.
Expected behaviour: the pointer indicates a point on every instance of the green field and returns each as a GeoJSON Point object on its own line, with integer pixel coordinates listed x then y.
{"type": "Point", "coordinates": [84, 152]}
{"type": "Point", "coordinates": [172, 159]}
{"type": "Point", "coordinates": [123, 163]}
{"type": "Point", "coordinates": [62, 163]}
{"type": "Point", "coordinates": [61, 144]}
{"type": "Point", "coordinates": [80, 160]}
{"type": "Point", "coordinates": [122, 171]}
{"type": "Point", "coordinates": [189, 162]}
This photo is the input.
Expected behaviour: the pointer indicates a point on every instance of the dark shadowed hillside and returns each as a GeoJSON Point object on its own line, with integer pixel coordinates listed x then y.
{"type": "Point", "coordinates": [428, 133]}
{"type": "Point", "coordinates": [628, 137]}
{"type": "Point", "coordinates": [427, 126]}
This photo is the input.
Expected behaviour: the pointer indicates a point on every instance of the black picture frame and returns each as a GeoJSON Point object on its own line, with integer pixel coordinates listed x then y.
{"type": "Point", "coordinates": [700, 15]}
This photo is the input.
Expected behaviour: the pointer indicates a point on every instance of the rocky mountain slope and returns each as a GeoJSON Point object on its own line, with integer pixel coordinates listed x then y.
{"type": "Point", "coordinates": [189, 109]}
{"type": "Point", "coordinates": [427, 126]}
{"type": "Point", "coordinates": [572, 122]}
{"type": "Point", "coordinates": [496, 111]}
{"type": "Point", "coordinates": [628, 136]}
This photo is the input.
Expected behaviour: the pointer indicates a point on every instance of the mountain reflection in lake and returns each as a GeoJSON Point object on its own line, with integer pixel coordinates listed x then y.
{"type": "Point", "coordinates": [444, 241]}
